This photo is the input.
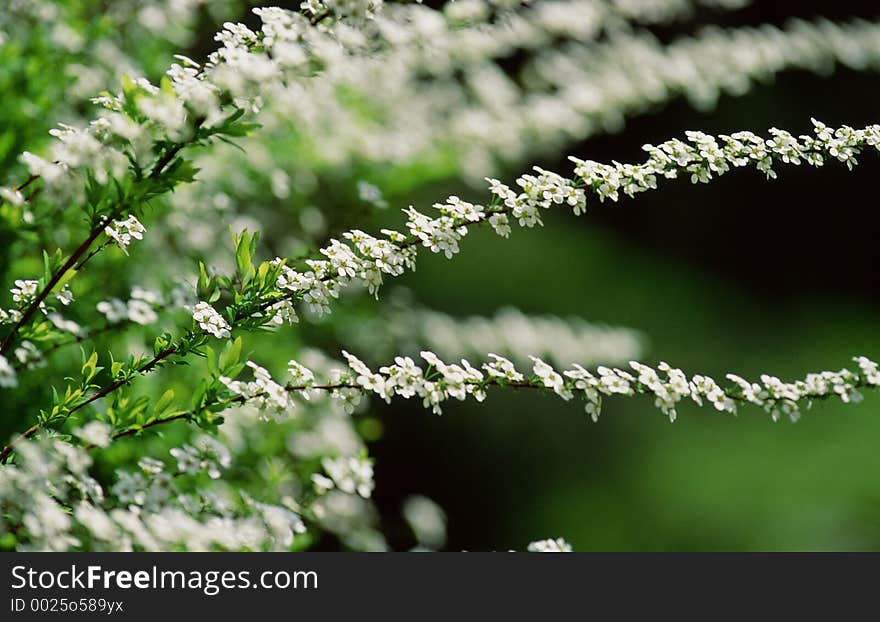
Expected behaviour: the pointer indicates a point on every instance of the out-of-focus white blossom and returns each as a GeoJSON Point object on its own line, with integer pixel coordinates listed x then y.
{"type": "Point", "coordinates": [350, 475]}
{"type": "Point", "coordinates": [427, 521]}
{"type": "Point", "coordinates": [550, 545]}
{"type": "Point", "coordinates": [95, 433]}
{"type": "Point", "coordinates": [8, 377]}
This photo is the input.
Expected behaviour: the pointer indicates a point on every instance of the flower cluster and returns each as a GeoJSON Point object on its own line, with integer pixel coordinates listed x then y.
{"type": "Point", "coordinates": [95, 433]}
{"type": "Point", "coordinates": [24, 291]}
{"type": "Point", "coordinates": [449, 103]}
{"type": "Point", "coordinates": [704, 157]}
{"type": "Point", "coordinates": [210, 321]}
{"type": "Point", "coordinates": [8, 377]}
{"type": "Point", "coordinates": [28, 356]}
{"type": "Point", "coordinates": [207, 455]}
{"type": "Point", "coordinates": [566, 93]}
{"type": "Point", "coordinates": [550, 545]}
{"type": "Point", "coordinates": [124, 231]}
{"type": "Point", "coordinates": [363, 262]}
{"type": "Point", "coordinates": [427, 521]}
{"type": "Point", "coordinates": [270, 398]}
{"type": "Point", "coordinates": [146, 509]}
{"type": "Point", "coordinates": [140, 308]}
{"type": "Point", "coordinates": [350, 475]}
{"type": "Point", "coordinates": [365, 259]}
{"type": "Point", "coordinates": [442, 381]}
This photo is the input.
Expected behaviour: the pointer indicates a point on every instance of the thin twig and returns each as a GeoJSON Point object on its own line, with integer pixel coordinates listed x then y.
{"type": "Point", "coordinates": [81, 250]}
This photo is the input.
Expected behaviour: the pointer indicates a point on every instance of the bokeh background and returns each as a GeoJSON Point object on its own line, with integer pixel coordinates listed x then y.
{"type": "Point", "coordinates": [741, 275]}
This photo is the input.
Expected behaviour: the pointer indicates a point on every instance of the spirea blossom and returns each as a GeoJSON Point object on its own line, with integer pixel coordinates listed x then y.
{"type": "Point", "coordinates": [551, 545]}
{"type": "Point", "coordinates": [427, 521]}
{"type": "Point", "coordinates": [667, 385]}
{"type": "Point", "coordinates": [145, 509]}
{"type": "Point", "coordinates": [366, 259]}
{"type": "Point", "coordinates": [210, 321]}
{"type": "Point", "coordinates": [8, 377]}
{"type": "Point", "coordinates": [24, 291]}
{"type": "Point", "coordinates": [95, 433]}
{"type": "Point", "coordinates": [124, 231]}
{"type": "Point", "coordinates": [350, 475]}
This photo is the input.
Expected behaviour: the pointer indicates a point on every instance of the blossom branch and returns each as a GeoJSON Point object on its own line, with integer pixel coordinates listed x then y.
{"type": "Point", "coordinates": [364, 259]}
{"type": "Point", "coordinates": [367, 258]}
{"type": "Point", "coordinates": [442, 381]}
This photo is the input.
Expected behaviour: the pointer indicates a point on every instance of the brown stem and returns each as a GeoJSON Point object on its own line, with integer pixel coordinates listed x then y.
{"type": "Point", "coordinates": [24, 184]}
{"type": "Point", "coordinates": [78, 339]}
{"type": "Point", "coordinates": [110, 388]}
{"type": "Point", "coordinates": [240, 399]}
{"type": "Point", "coordinates": [133, 431]}
{"type": "Point", "coordinates": [4, 454]}
{"type": "Point", "coordinates": [44, 293]}
{"type": "Point", "coordinates": [94, 252]}
{"type": "Point", "coordinates": [83, 248]}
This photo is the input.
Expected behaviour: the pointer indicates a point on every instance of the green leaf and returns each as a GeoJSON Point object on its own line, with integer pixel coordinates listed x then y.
{"type": "Point", "coordinates": [166, 86]}
{"type": "Point", "coordinates": [240, 129]}
{"type": "Point", "coordinates": [211, 358]}
{"type": "Point", "coordinates": [205, 285]}
{"type": "Point", "coordinates": [244, 247]}
{"type": "Point", "coordinates": [163, 402]}
{"type": "Point", "coordinates": [230, 355]}
{"type": "Point", "coordinates": [90, 368]}
{"type": "Point", "coordinates": [199, 395]}
{"type": "Point", "coordinates": [128, 86]}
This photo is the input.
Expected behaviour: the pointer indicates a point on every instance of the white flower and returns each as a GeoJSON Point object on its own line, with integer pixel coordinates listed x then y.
{"type": "Point", "coordinates": [502, 369]}
{"type": "Point", "coordinates": [211, 321]}
{"type": "Point", "coordinates": [141, 312]}
{"type": "Point", "coordinates": [130, 487]}
{"type": "Point", "coordinates": [613, 381]}
{"type": "Point", "coordinates": [550, 378]}
{"type": "Point", "coordinates": [271, 398]}
{"type": "Point", "coordinates": [299, 374]}
{"type": "Point", "coordinates": [188, 459]}
{"type": "Point", "coordinates": [29, 355]}
{"type": "Point", "coordinates": [64, 295]}
{"type": "Point", "coordinates": [151, 466]}
{"type": "Point", "coordinates": [500, 224]}
{"type": "Point", "coordinates": [870, 370]}
{"type": "Point", "coordinates": [8, 378]}
{"type": "Point", "coordinates": [95, 433]}
{"type": "Point", "coordinates": [369, 193]}
{"type": "Point", "coordinates": [24, 291]}
{"type": "Point", "coordinates": [550, 545]}
{"type": "Point", "coordinates": [11, 195]}
{"type": "Point", "coordinates": [9, 316]}
{"type": "Point", "coordinates": [97, 522]}
{"type": "Point", "coordinates": [351, 475]}
{"type": "Point", "coordinates": [114, 310]}
{"type": "Point", "coordinates": [149, 296]}
{"type": "Point", "coordinates": [124, 231]}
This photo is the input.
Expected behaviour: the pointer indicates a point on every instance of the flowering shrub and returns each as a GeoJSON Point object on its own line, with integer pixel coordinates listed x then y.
{"type": "Point", "coordinates": [114, 245]}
